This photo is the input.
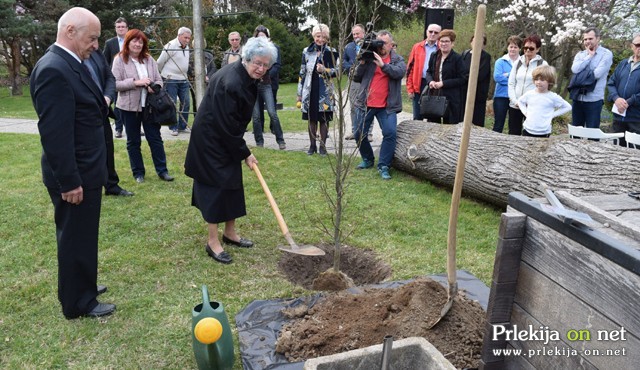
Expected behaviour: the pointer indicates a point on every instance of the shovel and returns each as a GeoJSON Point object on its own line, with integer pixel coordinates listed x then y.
{"type": "Point", "coordinates": [305, 250]}
{"type": "Point", "coordinates": [452, 281]}
{"type": "Point", "coordinates": [566, 215]}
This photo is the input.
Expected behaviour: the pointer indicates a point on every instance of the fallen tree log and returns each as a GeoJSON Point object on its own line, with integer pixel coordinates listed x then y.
{"type": "Point", "coordinates": [498, 164]}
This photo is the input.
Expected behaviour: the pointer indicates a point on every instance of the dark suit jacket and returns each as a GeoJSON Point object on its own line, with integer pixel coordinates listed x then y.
{"type": "Point", "coordinates": [71, 111]}
{"type": "Point", "coordinates": [111, 49]}
{"type": "Point", "coordinates": [484, 73]}
{"type": "Point", "coordinates": [104, 74]}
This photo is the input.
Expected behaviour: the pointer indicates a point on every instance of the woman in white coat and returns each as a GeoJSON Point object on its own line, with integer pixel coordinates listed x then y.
{"type": "Point", "coordinates": [521, 80]}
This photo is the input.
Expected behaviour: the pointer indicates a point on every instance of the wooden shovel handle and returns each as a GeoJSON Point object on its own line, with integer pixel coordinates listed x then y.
{"type": "Point", "coordinates": [464, 144]}
{"type": "Point", "coordinates": [272, 202]}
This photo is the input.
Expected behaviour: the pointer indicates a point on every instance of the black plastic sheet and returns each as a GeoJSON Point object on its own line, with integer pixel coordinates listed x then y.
{"type": "Point", "coordinates": [260, 322]}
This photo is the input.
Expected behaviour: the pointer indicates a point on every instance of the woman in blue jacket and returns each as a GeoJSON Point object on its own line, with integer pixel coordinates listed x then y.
{"type": "Point", "coordinates": [501, 72]}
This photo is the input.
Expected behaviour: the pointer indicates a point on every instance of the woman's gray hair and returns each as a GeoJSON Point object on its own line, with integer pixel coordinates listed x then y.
{"type": "Point", "coordinates": [259, 47]}
{"type": "Point", "coordinates": [323, 29]}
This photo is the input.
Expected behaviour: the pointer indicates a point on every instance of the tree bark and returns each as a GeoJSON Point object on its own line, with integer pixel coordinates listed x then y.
{"type": "Point", "coordinates": [14, 71]}
{"type": "Point", "coordinates": [498, 164]}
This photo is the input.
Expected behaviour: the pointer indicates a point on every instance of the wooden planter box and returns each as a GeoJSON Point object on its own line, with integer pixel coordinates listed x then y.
{"type": "Point", "coordinates": [564, 294]}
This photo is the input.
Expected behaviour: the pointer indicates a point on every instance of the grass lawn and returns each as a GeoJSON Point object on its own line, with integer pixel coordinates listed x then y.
{"type": "Point", "coordinates": [152, 254]}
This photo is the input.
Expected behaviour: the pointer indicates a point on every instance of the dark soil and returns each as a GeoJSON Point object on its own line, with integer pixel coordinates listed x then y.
{"type": "Point", "coordinates": [345, 321]}
{"type": "Point", "coordinates": [362, 266]}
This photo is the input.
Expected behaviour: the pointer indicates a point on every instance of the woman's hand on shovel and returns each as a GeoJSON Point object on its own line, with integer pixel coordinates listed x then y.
{"type": "Point", "coordinates": [250, 161]}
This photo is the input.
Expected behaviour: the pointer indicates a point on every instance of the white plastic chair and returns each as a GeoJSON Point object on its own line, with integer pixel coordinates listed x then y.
{"type": "Point", "coordinates": [632, 139]}
{"type": "Point", "coordinates": [593, 133]}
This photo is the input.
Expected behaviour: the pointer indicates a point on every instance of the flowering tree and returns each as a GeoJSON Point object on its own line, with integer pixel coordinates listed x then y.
{"type": "Point", "coordinates": [558, 22]}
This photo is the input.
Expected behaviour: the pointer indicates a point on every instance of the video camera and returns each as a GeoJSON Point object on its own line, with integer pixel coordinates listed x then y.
{"type": "Point", "coordinates": [369, 44]}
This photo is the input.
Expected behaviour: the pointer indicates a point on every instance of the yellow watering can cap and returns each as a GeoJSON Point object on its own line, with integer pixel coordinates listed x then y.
{"type": "Point", "coordinates": [208, 330]}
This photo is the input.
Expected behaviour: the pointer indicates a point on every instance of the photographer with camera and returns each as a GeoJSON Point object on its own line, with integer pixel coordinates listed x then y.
{"type": "Point", "coordinates": [380, 74]}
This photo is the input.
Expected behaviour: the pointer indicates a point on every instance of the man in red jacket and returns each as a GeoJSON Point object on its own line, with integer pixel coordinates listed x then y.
{"type": "Point", "coordinates": [418, 64]}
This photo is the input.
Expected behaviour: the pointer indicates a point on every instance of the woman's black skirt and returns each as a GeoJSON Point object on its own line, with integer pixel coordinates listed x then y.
{"type": "Point", "coordinates": [218, 205]}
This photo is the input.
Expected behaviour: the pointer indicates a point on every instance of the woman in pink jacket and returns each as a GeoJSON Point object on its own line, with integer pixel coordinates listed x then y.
{"type": "Point", "coordinates": [135, 70]}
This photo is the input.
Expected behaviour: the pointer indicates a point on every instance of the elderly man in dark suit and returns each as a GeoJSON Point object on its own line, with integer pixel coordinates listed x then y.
{"type": "Point", "coordinates": [102, 75]}
{"type": "Point", "coordinates": [111, 48]}
{"type": "Point", "coordinates": [71, 111]}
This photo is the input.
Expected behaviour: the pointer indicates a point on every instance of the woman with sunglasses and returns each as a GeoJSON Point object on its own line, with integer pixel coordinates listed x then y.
{"type": "Point", "coordinates": [521, 80]}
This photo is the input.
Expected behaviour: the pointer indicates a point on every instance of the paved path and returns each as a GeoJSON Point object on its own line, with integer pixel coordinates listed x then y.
{"type": "Point", "coordinates": [296, 141]}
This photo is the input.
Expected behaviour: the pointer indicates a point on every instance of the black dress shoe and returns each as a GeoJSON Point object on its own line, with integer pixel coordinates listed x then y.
{"type": "Point", "coordinates": [242, 243]}
{"type": "Point", "coordinates": [102, 309]}
{"type": "Point", "coordinates": [101, 289]}
{"type": "Point", "coordinates": [165, 176]}
{"type": "Point", "coordinates": [222, 257]}
{"type": "Point", "coordinates": [139, 179]}
{"type": "Point", "coordinates": [121, 192]}
{"type": "Point", "coordinates": [311, 151]}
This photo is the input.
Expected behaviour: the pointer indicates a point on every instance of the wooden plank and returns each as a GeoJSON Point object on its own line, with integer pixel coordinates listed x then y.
{"type": "Point", "coordinates": [507, 260]}
{"type": "Point", "coordinates": [617, 202]}
{"type": "Point", "coordinates": [517, 362]}
{"type": "Point", "coordinates": [512, 224]}
{"type": "Point", "coordinates": [487, 354]}
{"type": "Point", "coordinates": [589, 276]}
{"type": "Point", "coordinates": [536, 351]}
{"type": "Point", "coordinates": [606, 246]}
{"type": "Point", "coordinates": [620, 225]}
{"type": "Point", "coordinates": [500, 301]}
{"type": "Point", "coordinates": [632, 217]}
{"type": "Point", "coordinates": [560, 310]}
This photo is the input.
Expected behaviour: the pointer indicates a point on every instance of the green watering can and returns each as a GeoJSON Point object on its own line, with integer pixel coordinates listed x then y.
{"type": "Point", "coordinates": [211, 335]}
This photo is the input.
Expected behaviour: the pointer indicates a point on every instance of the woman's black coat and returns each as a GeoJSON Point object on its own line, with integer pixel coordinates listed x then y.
{"type": "Point", "coordinates": [454, 79]}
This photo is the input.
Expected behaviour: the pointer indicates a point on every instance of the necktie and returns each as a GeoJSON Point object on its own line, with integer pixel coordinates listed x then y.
{"type": "Point", "coordinates": [92, 72]}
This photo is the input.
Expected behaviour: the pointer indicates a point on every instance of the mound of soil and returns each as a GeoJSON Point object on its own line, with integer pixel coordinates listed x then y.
{"type": "Point", "coordinates": [362, 266]}
{"type": "Point", "coordinates": [344, 321]}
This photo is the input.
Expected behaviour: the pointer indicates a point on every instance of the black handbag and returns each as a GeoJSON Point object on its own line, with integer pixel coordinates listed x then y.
{"type": "Point", "coordinates": [160, 108]}
{"type": "Point", "coordinates": [433, 107]}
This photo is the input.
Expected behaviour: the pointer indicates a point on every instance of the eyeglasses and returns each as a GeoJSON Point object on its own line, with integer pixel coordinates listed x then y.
{"type": "Point", "coordinates": [528, 48]}
{"type": "Point", "coordinates": [234, 39]}
{"type": "Point", "coordinates": [434, 32]}
{"type": "Point", "coordinates": [260, 65]}
{"type": "Point", "coordinates": [636, 45]}
{"type": "Point", "coordinates": [444, 41]}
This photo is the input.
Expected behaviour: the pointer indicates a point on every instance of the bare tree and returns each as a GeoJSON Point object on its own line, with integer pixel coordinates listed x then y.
{"type": "Point", "coordinates": [340, 15]}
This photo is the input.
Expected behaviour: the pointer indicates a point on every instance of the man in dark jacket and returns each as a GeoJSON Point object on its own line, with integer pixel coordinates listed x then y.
{"type": "Point", "coordinates": [379, 96]}
{"type": "Point", "coordinates": [107, 83]}
{"type": "Point", "coordinates": [484, 79]}
{"type": "Point", "coordinates": [71, 111]}
{"type": "Point", "coordinates": [111, 48]}
{"type": "Point", "coordinates": [624, 89]}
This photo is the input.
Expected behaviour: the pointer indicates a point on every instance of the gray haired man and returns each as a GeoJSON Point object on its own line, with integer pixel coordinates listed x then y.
{"type": "Point", "coordinates": [174, 65]}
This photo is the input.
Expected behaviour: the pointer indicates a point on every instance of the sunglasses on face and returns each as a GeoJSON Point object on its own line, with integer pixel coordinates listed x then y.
{"type": "Point", "coordinates": [636, 45]}
{"type": "Point", "coordinates": [528, 48]}
{"type": "Point", "coordinates": [434, 32]}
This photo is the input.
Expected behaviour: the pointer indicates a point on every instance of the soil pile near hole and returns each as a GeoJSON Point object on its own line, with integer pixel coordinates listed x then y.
{"type": "Point", "coordinates": [345, 321]}
{"type": "Point", "coordinates": [362, 266]}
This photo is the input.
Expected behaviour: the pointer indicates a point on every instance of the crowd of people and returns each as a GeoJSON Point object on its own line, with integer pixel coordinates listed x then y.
{"type": "Point", "coordinates": [75, 88]}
